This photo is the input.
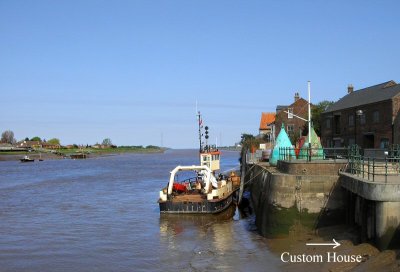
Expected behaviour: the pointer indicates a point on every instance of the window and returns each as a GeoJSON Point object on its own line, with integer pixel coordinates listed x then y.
{"type": "Point", "coordinates": [336, 121]}
{"type": "Point", "coordinates": [384, 143]}
{"type": "Point", "coordinates": [351, 120]}
{"type": "Point", "coordinates": [290, 128]}
{"type": "Point", "coordinates": [290, 113]}
{"type": "Point", "coordinates": [375, 117]}
{"type": "Point", "coordinates": [362, 119]}
{"type": "Point", "coordinates": [328, 123]}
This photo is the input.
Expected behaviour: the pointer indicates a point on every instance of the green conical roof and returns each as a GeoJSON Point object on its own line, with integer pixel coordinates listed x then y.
{"type": "Point", "coordinates": [282, 141]}
{"type": "Point", "coordinates": [316, 147]}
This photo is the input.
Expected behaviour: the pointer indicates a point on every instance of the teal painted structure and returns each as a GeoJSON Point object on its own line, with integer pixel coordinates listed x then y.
{"type": "Point", "coordinates": [317, 153]}
{"type": "Point", "coordinates": [282, 141]}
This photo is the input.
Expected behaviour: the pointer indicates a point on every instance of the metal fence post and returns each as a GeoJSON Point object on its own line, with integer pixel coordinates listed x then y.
{"type": "Point", "coordinates": [373, 169]}
{"type": "Point", "coordinates": [363, 167]}
{"type": "Point", "coordinates": [386, 169]}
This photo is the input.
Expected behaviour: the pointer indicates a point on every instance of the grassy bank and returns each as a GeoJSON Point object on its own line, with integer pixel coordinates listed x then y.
{"type": "Point", "coordinates": [65, 152]}
{"type": "Point", "coordinates": [117, 150]}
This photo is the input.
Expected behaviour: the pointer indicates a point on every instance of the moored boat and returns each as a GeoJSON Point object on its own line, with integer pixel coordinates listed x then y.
{"type": "Point", "coordinates": [202, 193]}
{"type": "Point", "coordinates": [197, 189]}
{"type": "Point", "coordinates": [78, 156]}
{"type": "Point", "coordinates": [27, 159]}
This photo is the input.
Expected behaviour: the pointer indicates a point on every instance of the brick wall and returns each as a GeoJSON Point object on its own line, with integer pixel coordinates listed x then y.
{"type": "Point", "coordinates": [300, 108]}
{"type": "Point", "coordinates": [367, 135]}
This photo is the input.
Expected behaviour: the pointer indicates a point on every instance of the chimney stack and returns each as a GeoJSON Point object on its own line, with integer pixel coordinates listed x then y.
{"type": "Point", "coordinates": [350, 88]}
{"type": "Point", "coordinates": [296, 97]}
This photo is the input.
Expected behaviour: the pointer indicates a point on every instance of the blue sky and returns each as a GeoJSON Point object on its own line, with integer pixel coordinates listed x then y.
{"type": "Point", "coordinates": [132, 71]}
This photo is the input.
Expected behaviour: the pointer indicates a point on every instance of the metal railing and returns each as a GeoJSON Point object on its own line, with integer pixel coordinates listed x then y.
{"type": "Point", "coordinates": [375, 169]}
{"type": "Point", "coordinates": [375, 164]}
{"type": "Point", "coordinates": [371, 164]}
{"type": "Point", "coordinates": [310, 154]}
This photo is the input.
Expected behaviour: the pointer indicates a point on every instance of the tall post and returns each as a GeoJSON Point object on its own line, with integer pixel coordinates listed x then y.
{"type": "Point", "coordinates": [200, 121]}
{"type": "Point", "coordinates": [309, 121]}
{"type": "Point", "coordinates": [355, 128]}
{"type": "Point", "coordinates": [309, 114]}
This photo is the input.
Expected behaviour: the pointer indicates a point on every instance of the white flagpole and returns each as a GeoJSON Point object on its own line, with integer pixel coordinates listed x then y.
{"type": "Point", "coordinates": [309, 114]}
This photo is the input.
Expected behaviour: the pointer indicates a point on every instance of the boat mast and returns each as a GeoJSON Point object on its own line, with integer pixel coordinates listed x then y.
{"type": "Point", "coordinates": [200, 123]}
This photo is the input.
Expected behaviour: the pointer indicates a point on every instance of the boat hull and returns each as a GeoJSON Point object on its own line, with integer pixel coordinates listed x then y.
{"type": "Point", "coordinates": [200, 207]}
{"type": "Point", "coordinates": [27, 160]}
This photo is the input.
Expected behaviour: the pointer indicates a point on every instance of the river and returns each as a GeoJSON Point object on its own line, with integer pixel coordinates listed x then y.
{"type": "Point", "coordinates": [101, 214]}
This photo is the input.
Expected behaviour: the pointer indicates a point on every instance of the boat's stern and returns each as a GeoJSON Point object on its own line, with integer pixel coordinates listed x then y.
{"type": "Point", "coordinates": [224, 189]}
{"type": "Point", "coordinates": [163, 195]}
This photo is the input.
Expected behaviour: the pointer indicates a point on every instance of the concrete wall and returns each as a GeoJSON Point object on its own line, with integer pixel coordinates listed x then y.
{"type": "Point", "coordinates": [318, 168]}
{"type": "Point", "coordinates": [377, 191]}
{"type": "Point", "coordinates": [282, 201]}
{"type": "Point", "coordinates": [375, 208]}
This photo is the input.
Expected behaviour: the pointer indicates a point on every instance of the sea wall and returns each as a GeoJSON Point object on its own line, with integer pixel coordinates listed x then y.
{"type": "Point", "coordinates": [282, 200]}
{"type": "Point", "coordinates": [375, 208]}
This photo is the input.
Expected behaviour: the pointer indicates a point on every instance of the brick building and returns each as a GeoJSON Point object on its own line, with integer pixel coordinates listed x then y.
{"type": "Point", "coordinates": [293, 125]}
{"type": "Point", "coordinates": [367, 117]}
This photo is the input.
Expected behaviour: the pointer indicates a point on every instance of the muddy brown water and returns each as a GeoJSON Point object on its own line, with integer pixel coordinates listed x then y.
{"type": "Point", "coordinates": [101, 214]}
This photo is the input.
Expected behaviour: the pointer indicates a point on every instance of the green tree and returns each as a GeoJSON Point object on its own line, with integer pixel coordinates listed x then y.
{"type": "Point", "coordinates": [36, 138]}
{"type": "Point", "coordinates": [246, 138]}
{"type": "Point", "coordinates": [316, 112]}
{"type": "Point", "coordinates": [8, 137]}
{"type": "Point", "coordinates": [249, 142]}
{"type": "Point", "coordinates": [152, 146]}
{"type": "Point", "coordinates": [54, 141]}
{"type": "Point", "coordinates": [107, 141]}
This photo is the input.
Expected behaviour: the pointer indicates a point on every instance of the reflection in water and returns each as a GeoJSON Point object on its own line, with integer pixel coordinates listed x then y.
{"type": "Point", "coordinates": [213, 243]}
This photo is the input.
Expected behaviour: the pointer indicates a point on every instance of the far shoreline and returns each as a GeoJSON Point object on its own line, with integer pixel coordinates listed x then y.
{"type": "Point", "coordinates": [64, 154]}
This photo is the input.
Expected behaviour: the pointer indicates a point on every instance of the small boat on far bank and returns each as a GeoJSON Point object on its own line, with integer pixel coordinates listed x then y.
{"type": "Point", "coordinates": [78, 156]}
{"type": "Point", "coordinates": [27, 159]}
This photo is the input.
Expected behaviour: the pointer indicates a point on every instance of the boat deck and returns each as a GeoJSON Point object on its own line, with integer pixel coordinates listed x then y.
{"type": "Point", "coordinates": [189, 198]}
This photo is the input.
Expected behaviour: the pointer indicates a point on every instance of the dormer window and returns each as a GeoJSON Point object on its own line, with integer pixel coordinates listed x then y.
{"type": "Point", "coordinates": [290, 113]}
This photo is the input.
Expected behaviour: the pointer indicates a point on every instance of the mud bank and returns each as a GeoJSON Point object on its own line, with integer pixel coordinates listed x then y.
{"type": "Point", "coordinates": [371, 259]}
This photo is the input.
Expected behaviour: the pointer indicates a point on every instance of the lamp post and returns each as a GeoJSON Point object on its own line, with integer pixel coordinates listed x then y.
{"type": "Point", "coordinates": [359, 113]}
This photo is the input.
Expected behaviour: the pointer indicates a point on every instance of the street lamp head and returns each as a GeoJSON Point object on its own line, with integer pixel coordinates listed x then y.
{"type": "Point", "coordinates": [359, 112]}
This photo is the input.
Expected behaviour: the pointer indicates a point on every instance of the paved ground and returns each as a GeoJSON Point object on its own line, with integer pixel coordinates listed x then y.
{"type": "Point", "coordinates": [380, 178]}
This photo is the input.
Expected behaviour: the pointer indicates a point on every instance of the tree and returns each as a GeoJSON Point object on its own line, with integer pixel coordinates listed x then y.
{"type": "Point", "coordinates": [316, 112]}
{"type": "Point", "coordinates": [8, 137]}
{"type": "Point", "coordinates": [107, 141]}
{"type": "Point", "coordinates": [36, 138]}
{"type": "Point", "coordinates": [246, 138]}
{"type": "Point", "coordinates": [26, 139]}
{"type": "Point", "coordinates": [54, 141]}
{"type": "Point", "coordinates": [316, 115]}
{"type": "Point", "coordinates": [249, 142]}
